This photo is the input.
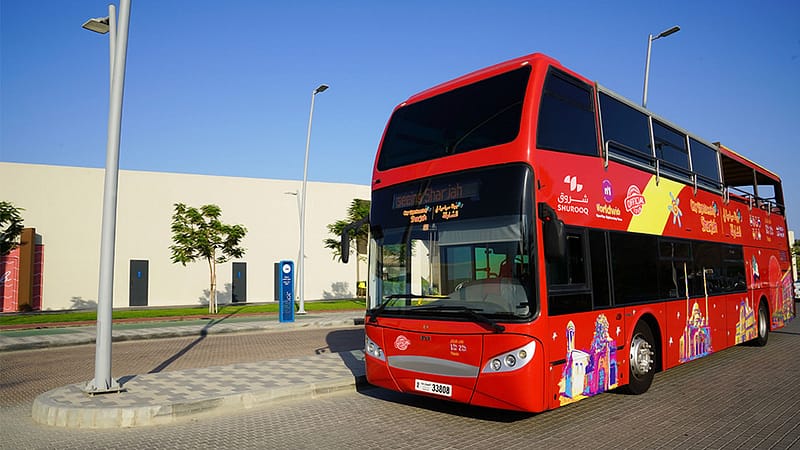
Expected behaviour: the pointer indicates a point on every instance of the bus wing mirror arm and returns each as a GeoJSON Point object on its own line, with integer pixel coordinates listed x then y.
{"type": "Point", "coordinates": [345, 243]}
{"type": "Point", "coordinates": [553, 233]}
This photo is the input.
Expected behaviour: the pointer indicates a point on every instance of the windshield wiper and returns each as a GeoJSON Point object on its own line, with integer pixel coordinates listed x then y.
{"type": "Point", "coordinates": [471, 312]}
{"type": "Point", "coordinates": [373, 314]}
{"type": "Point", "coordinates": [393, 296]}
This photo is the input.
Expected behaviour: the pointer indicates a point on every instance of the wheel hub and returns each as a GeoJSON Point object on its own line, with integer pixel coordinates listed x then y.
{"type": "Point", "coordinates": [641, 357]}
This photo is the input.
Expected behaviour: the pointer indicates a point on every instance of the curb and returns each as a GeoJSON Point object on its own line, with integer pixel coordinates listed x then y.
{"type": "Point", "coordinates": [87, 335]}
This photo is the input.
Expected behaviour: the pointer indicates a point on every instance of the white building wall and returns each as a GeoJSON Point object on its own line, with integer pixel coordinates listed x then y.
{"type": "Point", "coordinates": [64, 204]}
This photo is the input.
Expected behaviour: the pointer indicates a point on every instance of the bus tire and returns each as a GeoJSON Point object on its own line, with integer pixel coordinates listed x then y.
{"type": "Point", "coordinates": [642, 364]}
{"type": "Point", "coordinates": [762, 325]}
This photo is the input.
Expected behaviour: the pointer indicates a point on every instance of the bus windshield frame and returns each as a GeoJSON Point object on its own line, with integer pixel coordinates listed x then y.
{"type": "Point", "coordinates": [456, 244]}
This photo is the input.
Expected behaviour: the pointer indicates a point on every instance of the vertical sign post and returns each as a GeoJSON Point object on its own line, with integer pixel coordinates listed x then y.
{"type": "Point", "coordinates": [286, 305]}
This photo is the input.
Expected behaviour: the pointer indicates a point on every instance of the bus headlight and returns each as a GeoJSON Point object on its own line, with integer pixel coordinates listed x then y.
{"type": "Point", "coordinates": [511, 360]}
{"type": "Point", "coordinates": [373, 349]}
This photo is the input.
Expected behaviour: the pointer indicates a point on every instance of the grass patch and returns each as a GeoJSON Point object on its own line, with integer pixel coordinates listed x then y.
{"type": "Point", "coordinates": [200, 311]}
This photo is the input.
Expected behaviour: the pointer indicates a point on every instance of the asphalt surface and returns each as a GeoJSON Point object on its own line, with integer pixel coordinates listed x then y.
{"type": "Point", "coordinates": [163, 397]}
{"type": "Point", "coordinates": [743, 397]}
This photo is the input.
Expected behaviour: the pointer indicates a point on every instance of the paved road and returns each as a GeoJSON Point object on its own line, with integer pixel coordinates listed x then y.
{"type": "Point", "coordinates": [743, 397]}
{"type": "Point", "coordinates": [26, 374]}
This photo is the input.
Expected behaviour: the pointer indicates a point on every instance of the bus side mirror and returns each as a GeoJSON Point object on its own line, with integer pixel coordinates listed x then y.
{"type": "Point", "coordinates": [553, 234]}
{"type": "Point", "coordinates": [345, 242]}
{"type": "Point", "coordinates": [345, 245]}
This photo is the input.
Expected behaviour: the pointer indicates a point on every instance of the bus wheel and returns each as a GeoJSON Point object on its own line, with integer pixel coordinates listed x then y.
{"type": "Point", "coordinates": [641, 360]}
{"type": "Point", "coordinates": [763, 325]}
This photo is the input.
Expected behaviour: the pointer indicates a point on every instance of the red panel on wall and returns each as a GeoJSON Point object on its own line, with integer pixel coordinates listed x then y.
{"type": "Point", "coordinates": [9, 280]}
{"type": "Point", "coordinates": [9, 277]}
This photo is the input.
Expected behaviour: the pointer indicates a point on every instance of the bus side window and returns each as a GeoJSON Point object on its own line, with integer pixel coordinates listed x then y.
{"type": "Point", "coordinates": [634, 262]}
{"type": "Point", "coordinates": [598, 261]}
{"type": "Point", "coordinates": [566, 116]}
{"type": "Point", "coordinates": [567, 277]}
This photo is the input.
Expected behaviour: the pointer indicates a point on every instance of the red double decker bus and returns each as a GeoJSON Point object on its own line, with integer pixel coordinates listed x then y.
{"type": "Point", "coordinates": [537, 239]}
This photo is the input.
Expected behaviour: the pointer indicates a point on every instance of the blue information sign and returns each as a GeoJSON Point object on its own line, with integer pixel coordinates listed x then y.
{"type": "Point", "coordinates": [286, 306]}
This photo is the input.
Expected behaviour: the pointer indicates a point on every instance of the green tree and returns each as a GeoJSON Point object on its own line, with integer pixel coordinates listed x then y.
{"type": "Point", "coordinates": [358, 210]}
{"type": "Point", "coordinates": [10, 227]}
{"type": "Point", "coordinates": [200, 234]}
{"type": "Point", "coordinates": [796, 252]}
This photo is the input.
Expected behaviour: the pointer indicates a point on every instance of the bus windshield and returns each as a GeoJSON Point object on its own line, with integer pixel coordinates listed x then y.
{"type": "Point", "coordinates": [455, 244]}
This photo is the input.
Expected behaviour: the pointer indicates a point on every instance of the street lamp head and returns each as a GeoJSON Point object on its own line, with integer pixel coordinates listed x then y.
{"type": "Point", "coordinates": [650, 40]}
{"type": "Point", "coordinates": [666, 33]}
{"type": "Point", "coordinates": [321, 88]}
{"type": "Point", "coordinates": [98, 25]}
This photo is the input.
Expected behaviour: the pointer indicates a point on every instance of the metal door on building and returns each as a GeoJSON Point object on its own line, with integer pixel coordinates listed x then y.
{"type": "Point", "coordinates": [139, 282]}
{"type": "Point", "coordinates": [239, 282]}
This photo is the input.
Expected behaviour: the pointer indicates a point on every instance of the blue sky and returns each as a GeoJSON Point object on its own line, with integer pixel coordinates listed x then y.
{"type": "Point", "coordinates": [223, 87]}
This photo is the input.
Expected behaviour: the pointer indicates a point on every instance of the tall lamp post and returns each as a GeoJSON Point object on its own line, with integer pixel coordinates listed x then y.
{"type": "Point", "coordinates": [650, 40]}
{"type": "Point", "coordinates": [301, 272]}
{"type": "Point", "coordinates": [102, 381]}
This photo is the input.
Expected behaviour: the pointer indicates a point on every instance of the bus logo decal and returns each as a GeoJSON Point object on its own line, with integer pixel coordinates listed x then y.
{"type": "Point", "coordinates": [733, 219]}
{"type": "Point", "coordinates": [634, 201]}
{"type": "Point", "coordinates": [565, 201]}
{"type": "Point", "coordinates": [608, 192]}
{"type": "Point", "coordinates": [572, 181]}
{"type": "Point", "coordinates": [755, 225]}
{"type": "Point", "coordinates": [401, 343]}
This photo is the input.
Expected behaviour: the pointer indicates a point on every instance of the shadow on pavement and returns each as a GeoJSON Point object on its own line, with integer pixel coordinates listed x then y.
{"type": "Point", "coordinates": [167, 362]}
{"type": "Point", "coordinates": [444, 406]}
{"type": "Point", "coordinates": [346, 343]}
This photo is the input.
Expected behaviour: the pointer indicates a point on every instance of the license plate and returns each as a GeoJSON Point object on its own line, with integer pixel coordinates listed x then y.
{"type": "Point", "coordinates": [433, 388]}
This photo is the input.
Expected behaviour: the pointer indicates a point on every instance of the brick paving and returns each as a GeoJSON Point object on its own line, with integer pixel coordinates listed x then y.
{"type": "Point", "coordinates": [743, 397]}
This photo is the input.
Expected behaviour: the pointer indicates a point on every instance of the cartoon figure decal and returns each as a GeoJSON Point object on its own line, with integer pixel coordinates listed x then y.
{"type": "Point", "coordinates": [696, 339]}
{"type": "Point", "coordinates": [588, 373]}
{"type": "Point", "coordinates": [746, 326]}
{"type": "Point", "coordinates": [675, 209]}
{"type": "Point", "coordinates": [756, 275]}
{"type": "Point", "coordinates": [783, 309]}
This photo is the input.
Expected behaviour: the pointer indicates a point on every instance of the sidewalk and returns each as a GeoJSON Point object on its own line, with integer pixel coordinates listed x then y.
{"type": "Point", "coordinates": [166, 397]}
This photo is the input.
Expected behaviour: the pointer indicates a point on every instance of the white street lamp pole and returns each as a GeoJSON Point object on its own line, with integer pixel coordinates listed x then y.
{"type": "Point", "coordinates": [650, 40]}
{"type": "Point", "coordinates": [301, 272]}
{"type": "Point", "coordinates": [102, 381]}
